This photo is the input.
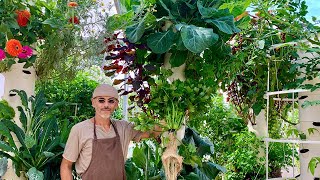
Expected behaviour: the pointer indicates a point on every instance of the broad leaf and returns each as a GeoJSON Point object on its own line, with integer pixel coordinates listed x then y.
{"type": "Point", "coordinates": [225, 24]}
{"type": "Point", "coordinates": [204, 146]}
{"type": "Point", "coordinates": [209, 171]}
{"type": "Point", "coordinates": [4, 131]}
{"type": "Point", "coordinates": [34, 174]}
{"type": "Point", "coordinates": [6, 147]}
{"type": "Point", "coordinates": [197, 39]}
{"type": "Point", "coordinates": [46, 131]}
{"type": "Point", "coordinates": [16, 130]}
{"type": "Point", "coordinates": [53, 22]}
{"type": "Point", "coordinates": [119, 21]}
{"type": "Point", "coordinates": [135, 32]}
{"type": "Point", "coordinates": [206, 12]}
{"type": "Point", "coordinates": [161, 42]}
{"type": "Point", "coordinates": [132, 171]}
{"type": "Point", "coordinates": [6, 111]}
{"type": "Point", "coordinates": [177, 58]}
{"type": "Point", "coordinates": [139, 157]}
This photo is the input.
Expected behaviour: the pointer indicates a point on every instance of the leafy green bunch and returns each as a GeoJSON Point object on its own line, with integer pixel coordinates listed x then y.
{"type": "Point", "coordinates": [40, 139]}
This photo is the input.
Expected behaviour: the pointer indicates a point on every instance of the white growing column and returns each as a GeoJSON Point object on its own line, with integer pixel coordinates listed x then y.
{"type": "Point", "coordinates": [20, 79]}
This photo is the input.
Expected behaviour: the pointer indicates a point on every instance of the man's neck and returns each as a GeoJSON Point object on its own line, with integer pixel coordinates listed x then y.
{"type": "Point", "coordinates": [102, 121]}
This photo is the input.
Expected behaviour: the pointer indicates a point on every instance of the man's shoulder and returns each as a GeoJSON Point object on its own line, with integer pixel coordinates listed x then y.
{"type": "Point", "coordinates": [82, 125]}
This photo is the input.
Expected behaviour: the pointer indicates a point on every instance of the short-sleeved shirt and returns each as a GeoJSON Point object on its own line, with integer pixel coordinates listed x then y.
{"type": "Point", "coordinates": [79, 145]}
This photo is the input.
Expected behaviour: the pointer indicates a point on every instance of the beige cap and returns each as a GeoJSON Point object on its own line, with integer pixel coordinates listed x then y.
{"type": "Point", "coordinates": [105, 90]}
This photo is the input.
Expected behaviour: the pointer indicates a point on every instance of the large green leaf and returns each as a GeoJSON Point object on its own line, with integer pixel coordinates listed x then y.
{"type": "Point", "coordinates": [206, 12]}
{"type": "Point", "coordinates": [46, 132]}
{"type": "Point", "coordinates": [161, 42]}
{"type": "Point", "coordinates": [4, 131]}
{"type": "Point", "coordinates": [119, 21]}
{"type": "Point", "coordinates": [23, 118]}
{"type": "Point", "coordinates": [23, 96]}
{"type": "Point", "coordinates": [53, 22]}
{"type": "Point", "coordinates": [225, 24]}
{"type": "Point", "coordinates": [209, 171]}
{"type": "Point", "coordinates": [177, 58]}
{"type": "Point", "coordinates": [6, 111]}
{"type": "Point", "coordinates": [132, 171]}
{"type": "Point", "coordinates": [204, 146]}
{"type": "Point", "coordinates": [6, 147]}
{"type": "Point", "coordinates": [135, 32]}
{"type": "Point", "coordinates": [38, 106]}
{"type": "Point", "coordinates": [197, 39]}
{"type": "Point", "coordinates": [34, 174]}
{"type": "Point", "coordinates": [139, 157]}
{"type": "Point", "coordinates": [16, 130]}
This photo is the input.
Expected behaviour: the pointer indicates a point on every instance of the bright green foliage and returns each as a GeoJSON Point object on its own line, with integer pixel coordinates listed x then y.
{"type": "Point", "coordinates": [79, 90]}
{"type": "Point", "coordinates": [6, 112]}
{"type": "Point", "coordinates": [40, 138]}
{"type": "Point", "coordinates": [145, 162]}
{"type": "Point", "coordinates": [313, 164]}
{"type": "Point", "coordinates": [235, 147]}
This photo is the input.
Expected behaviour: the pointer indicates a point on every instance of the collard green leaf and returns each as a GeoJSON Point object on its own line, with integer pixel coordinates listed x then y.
{"type": "Point", "coordinates": [161, 42]}
{"type": "Point", "coordinates": [23, 118]}
{"type": "Point", "coordinates": [177, 58]}
{"type": "Point", "coordinates": [209, 171]}
{"type": "Point", "coordinates": [135, 32]}
{"type": "Point", "coordinates": [204, 146]}
{"type": "Point", "coordinates": [197, 39]}
{"type": "Point", "coordinates": [34, 174]}
{"type": "Point", "coordinates": [225, 24]}
{"type": "Point", "coordinates": [206, 12]}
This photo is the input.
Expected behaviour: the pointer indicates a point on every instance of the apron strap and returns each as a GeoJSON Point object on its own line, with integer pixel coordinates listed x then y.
{"type": "Point", "coordinates": [94, 128]}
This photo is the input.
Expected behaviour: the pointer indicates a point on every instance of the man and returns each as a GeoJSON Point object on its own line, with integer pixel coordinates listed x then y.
{"type": "Point", "coordinates": [99, 145]}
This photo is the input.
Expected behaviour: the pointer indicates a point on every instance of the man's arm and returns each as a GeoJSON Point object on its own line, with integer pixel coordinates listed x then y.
{"type": "Point", "coordinates": [66, 170]}
{"type": "Point", "coordinates": [152, 134]}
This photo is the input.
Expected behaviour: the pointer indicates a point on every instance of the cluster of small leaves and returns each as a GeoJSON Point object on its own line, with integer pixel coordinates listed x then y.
{"type": "Point", "coordinates": [130, 58]}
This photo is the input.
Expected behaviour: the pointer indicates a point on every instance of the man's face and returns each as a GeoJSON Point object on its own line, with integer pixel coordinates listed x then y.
{"type": "Point", "coordinates": [104, 106]}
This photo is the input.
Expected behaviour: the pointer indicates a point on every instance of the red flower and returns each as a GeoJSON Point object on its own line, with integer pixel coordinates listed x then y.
{"type": "Point", "coordinates": [13, 47]}
{"type": "Point", "coordinates": [23, 17]}
{"type": "Point", "coordinates": [75, 20]}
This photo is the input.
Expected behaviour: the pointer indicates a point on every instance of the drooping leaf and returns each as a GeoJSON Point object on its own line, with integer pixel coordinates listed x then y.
{"type": "Point", "coordinates": [209, 171]}
{"type": "Point", "coordinates": [132, 171]}
{"type": "Point", "coordinates": [204, 146]}
{"type": "Point", "coordinates": [6, 111]}
{"type": "Point", "coordinates": [23, 96]}
{"type": "Point", "coordinates": [177, 58]}
{"type": "Point", "coordinates": [4, 131]}
{"type": "Point", "coordinates": [135, 32]}
{"type": "Point", "coordinates": [197, 39]}
{"type": "Point", "coordinates": [139, 157]}
{"type": "Point", "coordinates": [225, 24]}
{"type": "Point", "coordinates": [16, 130]}
{"type": "Point", "coordinates": [161, 42]}
{"type": "Point", "coordinates": [119, 21]}
{"type": "Point", "coordinates": [6, 147]}
{"type": "Point", "coordinates": [206, 12]}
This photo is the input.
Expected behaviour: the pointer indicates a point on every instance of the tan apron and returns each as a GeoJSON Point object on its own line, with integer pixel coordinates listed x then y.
{"type": "Point", "coordinates": [107, 162]}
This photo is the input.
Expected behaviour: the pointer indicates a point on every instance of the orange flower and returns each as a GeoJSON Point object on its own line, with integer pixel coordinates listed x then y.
{"type": "Point", "coordinates": [23, 17]}
{"type": "Point", "coordinates": [72, 4]}
{"type": "Point", "coordinates": [13, 47]}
